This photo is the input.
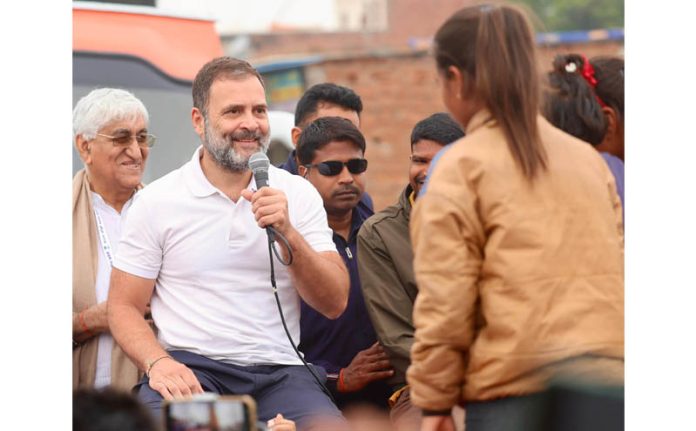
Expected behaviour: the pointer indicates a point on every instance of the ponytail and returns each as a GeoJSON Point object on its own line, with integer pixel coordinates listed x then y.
{"type": "Point", "coordinates": [495, 46]}
{"type": "Point", "coordinates": [570, 101]}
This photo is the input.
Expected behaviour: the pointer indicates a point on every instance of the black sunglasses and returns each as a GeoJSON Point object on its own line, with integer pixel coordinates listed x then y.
{"type": "Point", "coordinates": [332, 168]}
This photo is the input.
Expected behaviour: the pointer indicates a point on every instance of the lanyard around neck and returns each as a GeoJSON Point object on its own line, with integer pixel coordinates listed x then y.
{"type": "Point", "coordinates": [103, 238]}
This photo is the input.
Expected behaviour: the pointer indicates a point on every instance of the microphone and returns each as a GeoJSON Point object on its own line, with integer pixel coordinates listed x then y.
{"type": "Point", "coordinates": [259, 163]}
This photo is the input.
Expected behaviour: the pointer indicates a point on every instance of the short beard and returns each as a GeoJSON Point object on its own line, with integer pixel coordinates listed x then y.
{"type": "Point", "coordinates": [222, 148]}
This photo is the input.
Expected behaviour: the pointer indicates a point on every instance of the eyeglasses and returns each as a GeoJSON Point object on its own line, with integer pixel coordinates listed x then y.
{"type": "Point", "coordinates": [332, 168]}
{"type": "Point", "coordinates": [143, 139]}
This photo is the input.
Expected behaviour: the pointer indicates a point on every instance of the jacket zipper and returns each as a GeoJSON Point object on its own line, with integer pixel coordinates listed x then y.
{"type": "Point", "coordinates": [350, 255]}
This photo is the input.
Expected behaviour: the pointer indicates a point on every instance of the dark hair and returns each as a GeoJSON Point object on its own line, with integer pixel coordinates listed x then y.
{"type": "Point", "coordinates": [609, 72]}
{"type": "Point", "coordinates": [439, 127]}
{"type": "Point", "coordinates": [109, 410]}
{"type": "Point", "coordinates": [326, 93]}
{"type": "Point", "coordinates": [323, 131]}
{"type": "Point", "coordinates": [217, 68]}
{"type": "Point", "coordinates": [495, 48]}
{"type": "Point", "coordinates": [570, 102]}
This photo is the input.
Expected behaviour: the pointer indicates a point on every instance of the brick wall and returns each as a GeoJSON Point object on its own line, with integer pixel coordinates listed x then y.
{"type": "Point", "coordinates": [398, 91]}
{"type": "Point", "coordinates": [396, 83]}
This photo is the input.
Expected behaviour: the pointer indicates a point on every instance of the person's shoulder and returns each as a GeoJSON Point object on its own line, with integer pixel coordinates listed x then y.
{"type": "Point", "coordinates": [614, 162]}
{"type": "Point", "coordinates": [565, 145]}
{"type": "Point", "coordinates": [371, 226]}
{"type": "Point", "coordinates": [163, 186]}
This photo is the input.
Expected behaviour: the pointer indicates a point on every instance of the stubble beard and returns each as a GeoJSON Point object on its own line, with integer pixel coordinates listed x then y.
{"type": "Point", "coordinates": [221, 148]}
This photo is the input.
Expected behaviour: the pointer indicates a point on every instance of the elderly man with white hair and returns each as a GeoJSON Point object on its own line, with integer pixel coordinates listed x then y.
{"type": "Point", "coordinates": [111, 137]}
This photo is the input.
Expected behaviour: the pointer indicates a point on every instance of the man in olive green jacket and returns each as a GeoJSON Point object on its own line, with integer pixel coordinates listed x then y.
{"type": "Point", "coordinates": [386, 264]}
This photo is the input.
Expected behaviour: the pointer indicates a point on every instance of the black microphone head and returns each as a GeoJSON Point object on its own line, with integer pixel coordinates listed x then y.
{"type": "Point", "coordinates": [259, 163]}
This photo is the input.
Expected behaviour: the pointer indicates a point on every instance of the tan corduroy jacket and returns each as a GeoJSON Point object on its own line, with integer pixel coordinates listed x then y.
{"type": "Point", "coordinates": [124, 374]}
{"type": "Point", "coordinates": [538, 265]}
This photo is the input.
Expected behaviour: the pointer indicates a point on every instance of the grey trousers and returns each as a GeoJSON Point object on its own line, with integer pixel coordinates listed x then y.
{"type": "Point", "coordinates": [525, 413]}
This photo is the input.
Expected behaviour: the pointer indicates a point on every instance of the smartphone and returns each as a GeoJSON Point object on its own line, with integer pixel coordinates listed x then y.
{"type": "Point", "coordinates": [211, 412]}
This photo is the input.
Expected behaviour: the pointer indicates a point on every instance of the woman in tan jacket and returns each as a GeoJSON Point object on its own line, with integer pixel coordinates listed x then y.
{"type": "Point", "coordinates": [518, 240]}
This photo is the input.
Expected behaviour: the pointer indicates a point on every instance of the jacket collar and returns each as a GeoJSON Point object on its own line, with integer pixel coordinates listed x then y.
{"type": "Point", "coordinates": [405, 201]}
{"type": "Point", "coordinates": [290, 164]}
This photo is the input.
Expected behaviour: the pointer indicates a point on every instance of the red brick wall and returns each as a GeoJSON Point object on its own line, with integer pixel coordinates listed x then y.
{"type": "Point", "coordinates": [398, 91]}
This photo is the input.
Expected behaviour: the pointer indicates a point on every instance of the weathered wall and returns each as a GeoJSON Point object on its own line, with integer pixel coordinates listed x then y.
{"type": "Point", "coordinates": [398, 91]}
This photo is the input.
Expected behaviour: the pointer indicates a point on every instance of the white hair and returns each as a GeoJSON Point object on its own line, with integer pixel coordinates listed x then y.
{"type": "Point", "coordinates": [102, 106]}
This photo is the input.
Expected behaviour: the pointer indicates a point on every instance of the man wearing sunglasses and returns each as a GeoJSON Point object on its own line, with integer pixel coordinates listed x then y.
{"type": "Point", "coordinates": [331, 154]}
{"type": "Point", "coordinates": [325, 100]}
{"type": "Point", "coordinates": [386, 265]}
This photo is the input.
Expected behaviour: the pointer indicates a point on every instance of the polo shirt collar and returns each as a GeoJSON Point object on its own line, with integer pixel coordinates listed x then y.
{"type": "Point", "coordinates": [195, 178]}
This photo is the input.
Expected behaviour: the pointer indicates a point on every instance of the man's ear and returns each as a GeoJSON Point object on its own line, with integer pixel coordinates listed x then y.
{"type": "Point", "coordinates": [303, 171]}
{"type": "Point", "coordinates": [84, 149]}
{"type": "Point", "coordinates": [198, 122]}
{"type": "Point", "coordinates": [295, 133]}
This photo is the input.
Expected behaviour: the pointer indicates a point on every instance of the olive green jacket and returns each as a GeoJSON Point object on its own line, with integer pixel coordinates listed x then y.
{"type": "Point", "coordinates": [388, 284]}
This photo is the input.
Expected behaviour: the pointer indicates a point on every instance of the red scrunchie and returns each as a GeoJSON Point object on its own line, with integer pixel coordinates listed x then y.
{"type": "Point", "coordinates": [588, 73]}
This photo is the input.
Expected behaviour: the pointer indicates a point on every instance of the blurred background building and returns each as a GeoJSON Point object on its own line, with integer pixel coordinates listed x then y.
{"type": "Point", "coordinates": [379, 48]}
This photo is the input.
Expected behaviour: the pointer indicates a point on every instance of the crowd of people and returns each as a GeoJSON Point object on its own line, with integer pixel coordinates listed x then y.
{"type": "Point", "coordinates": [498, 268]}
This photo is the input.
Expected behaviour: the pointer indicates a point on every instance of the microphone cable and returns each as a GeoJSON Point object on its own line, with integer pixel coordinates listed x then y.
{"type": "Point", "coordinates": [271, 251]}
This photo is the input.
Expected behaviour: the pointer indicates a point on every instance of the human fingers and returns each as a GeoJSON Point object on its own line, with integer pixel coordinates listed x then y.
{"type": "Point", "coordinates": [279, 423]}
{"type": "Point", "coordinates": [247, 194]}
{"type": "Point", "coordinates": [184, 387]}
{"type": "Point", "coordinates": [380, 356]}
{"type": "Point", "coordinates": [174, 388]}
{"type": "Point", "coordinates": [267, 210]}
{"type": "Point", "coordinates": [179, 380]}
{"type": "Point", "coordinates": [192, 382]}
{"type": "Point", "coordinates": [276, 210]}
{"type": "Point", "coordinates": [161, 387]}
{"type": "Point", "coordinates": [278, 220]}
{"type": "Point", "coordinates": [374, 356]}
{"type": "Point", "coordinates": [379, 365]}
{"type": "Point", "coordinates": [261, 200]}
{"type": "Point", "coordinates": [374, 349]}
{"type": "Point", "coordinates": [379, 375]}
{"type": "Point", "coordinates": [265, 195]}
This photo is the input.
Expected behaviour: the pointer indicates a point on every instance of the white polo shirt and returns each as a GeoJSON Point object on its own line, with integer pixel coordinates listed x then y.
{"type": "Point", "coordinates": [213, 293]}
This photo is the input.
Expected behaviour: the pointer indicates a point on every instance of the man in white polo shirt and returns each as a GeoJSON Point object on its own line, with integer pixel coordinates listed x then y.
{"type": "Point", "coordinates": [194, 249]}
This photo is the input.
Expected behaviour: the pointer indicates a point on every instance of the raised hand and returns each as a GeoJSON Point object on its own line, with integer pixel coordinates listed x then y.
{"type": "Point", "coordinates": [270, 208]}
